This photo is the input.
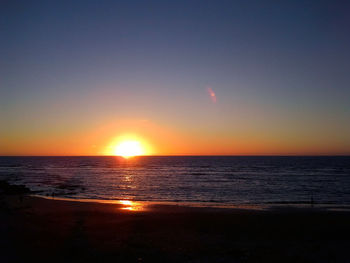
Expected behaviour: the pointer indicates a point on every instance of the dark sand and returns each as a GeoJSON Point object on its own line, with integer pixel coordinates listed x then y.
{"type": "Point", "coordinates": [64, 231]}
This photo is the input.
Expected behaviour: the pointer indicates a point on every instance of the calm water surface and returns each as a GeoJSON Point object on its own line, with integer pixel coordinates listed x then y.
{"type": "Point", "coordinates": [212, 179]}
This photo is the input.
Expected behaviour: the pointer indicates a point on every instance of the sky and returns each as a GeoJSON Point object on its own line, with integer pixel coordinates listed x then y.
{"type": "Point", "coordinates": [184, 77]}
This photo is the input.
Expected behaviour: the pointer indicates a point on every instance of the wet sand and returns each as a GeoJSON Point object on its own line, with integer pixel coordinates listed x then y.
{"type": "Point", "coordinates": [38, 229]}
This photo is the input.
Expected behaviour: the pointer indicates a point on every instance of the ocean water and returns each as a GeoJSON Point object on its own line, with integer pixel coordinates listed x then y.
{"type": "Point", "coordinates": [233, 180]}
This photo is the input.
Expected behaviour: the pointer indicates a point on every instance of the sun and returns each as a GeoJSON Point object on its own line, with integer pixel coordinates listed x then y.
{"type": "Point", "coordinates": [128, 145]}
{"type": "Point", "coordinates": [129, 149]}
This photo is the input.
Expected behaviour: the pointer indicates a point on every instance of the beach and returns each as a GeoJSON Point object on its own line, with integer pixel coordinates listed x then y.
{"type": "Point", "coordinates": [50, 230]}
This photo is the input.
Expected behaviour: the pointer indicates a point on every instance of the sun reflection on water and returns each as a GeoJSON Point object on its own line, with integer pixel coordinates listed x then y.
{"type": "Point", "coordinates": [131, 205]}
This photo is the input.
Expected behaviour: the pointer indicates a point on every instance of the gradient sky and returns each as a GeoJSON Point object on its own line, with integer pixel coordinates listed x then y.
{"type": "Point", "coordinates": [74, 75]}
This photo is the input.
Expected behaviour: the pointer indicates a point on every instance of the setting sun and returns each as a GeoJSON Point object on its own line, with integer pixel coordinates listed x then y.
{"type": "Point", "coordinates": [128, 145]}
{"type": "Point", "coordinates": [128, 149]}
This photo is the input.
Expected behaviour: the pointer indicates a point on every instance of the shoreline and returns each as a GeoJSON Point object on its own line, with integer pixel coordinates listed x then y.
{"type": "Point", "coordinates": [136, 205]}
{"type": "Point", "coordinates": [150, 204]}
{"type": "Point", "coordinates": [207, 205]}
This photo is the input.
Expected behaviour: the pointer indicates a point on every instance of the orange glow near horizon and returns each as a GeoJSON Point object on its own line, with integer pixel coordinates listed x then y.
{"type": "Point", "coordinates": [169, 139]}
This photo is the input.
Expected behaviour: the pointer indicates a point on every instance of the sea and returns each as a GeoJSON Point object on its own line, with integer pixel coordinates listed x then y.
{"type": "Point", "coordinates": [211, 180]}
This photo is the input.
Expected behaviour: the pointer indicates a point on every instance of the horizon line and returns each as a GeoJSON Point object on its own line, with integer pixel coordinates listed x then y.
{"type": "Point", "coordinates": [191, 155]}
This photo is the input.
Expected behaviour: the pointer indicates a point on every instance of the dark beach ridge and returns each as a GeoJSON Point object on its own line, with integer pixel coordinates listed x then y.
{"type": "Point", "coordinates": [53, 230]}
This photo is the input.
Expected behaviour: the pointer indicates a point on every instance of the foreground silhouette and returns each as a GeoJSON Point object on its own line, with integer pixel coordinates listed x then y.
{"type": "Point", "coordinates": [63, 231]}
